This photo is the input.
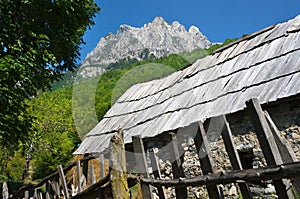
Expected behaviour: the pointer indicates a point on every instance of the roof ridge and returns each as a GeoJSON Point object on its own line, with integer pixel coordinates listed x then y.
{"type": "Point", "coordinates": [248, 37]}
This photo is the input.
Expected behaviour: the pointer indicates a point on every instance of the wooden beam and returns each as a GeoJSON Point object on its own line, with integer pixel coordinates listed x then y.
{"type": "Point", "coordinates": [284, 147]}
{"type": "Point", "coordinates": [177, 169]}
{"type": "Point", "coordinates": [268, 145]}
{"type": "Point", "coordinates": [233, 154]}
{"type": "Point", "coordinates": [206, 159]}
{"type": "Point", "coordinates": [156, 172]}
{"type": "Point", "coordinates": [63, 181]}
{"type": "Point", "coordinates": [118, 176]}
{"type": "Point", "coordinates": [140, 158]}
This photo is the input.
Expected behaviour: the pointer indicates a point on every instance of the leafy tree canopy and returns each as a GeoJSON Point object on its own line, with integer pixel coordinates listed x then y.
{"type": "Point", "coordinates": [39, 40]}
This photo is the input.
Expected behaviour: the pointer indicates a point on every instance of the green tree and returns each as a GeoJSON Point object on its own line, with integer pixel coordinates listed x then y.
{"type": "Point", "coordinates": [39, 41]}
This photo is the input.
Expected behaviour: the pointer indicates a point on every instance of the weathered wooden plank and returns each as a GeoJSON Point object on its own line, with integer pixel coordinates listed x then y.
{"type": "Point", "coordinates": [232, 152]}
{"type": "Point", "coordinates": [268, 145]}
{"type": "Point", "coordinates": [63, 181]}
{"type": "Point", "coordinates": [175, 158]}
{"type": "Point", "coordinates": [157, 173]}
{"type": "Point", "coordinates": [118, 167]}
{"type": "Point", "coordinates": [206, 160]}
{"type": "Point", "coordinates": [140, 158]}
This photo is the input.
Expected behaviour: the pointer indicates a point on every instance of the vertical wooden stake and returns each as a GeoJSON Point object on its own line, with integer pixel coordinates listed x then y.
{"type": "Point", "coordinates": [102, 166]}
{"type": "Point", "coordinates": [78, 176]}
{"type": "Point", "coordinates": [181, 193]}
{"type": "Point", "coordinates": [232, 153]}
{"type": "Point", "coordinates": [268, 145]}
{"type": "Point", "coordinates": [140, 158]}
{"type": "Point", "coordinates": [5, 193]}
{"type": "Point", "coordinates": [206, 158]}
{"type": "Point", "coordinates": [118, 167]}
{"type": "Point", "coordinates": [63, 181]}
{"type": "Point", "coordinates": [26, 194]}
{"type": "Point", "coordinates": [92, 175]}
{"type": "Point", "coordinates": [157, 174]}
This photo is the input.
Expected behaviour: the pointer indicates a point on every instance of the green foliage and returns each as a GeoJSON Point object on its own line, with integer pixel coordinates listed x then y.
{"type": "Point", "coordinates": [39, 40]}
{"type": "Point", "coordinates": [55, 137]}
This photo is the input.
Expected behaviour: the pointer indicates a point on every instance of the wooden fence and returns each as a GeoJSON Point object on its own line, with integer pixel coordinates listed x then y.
{"type": "Point", "coordinates": [282, 167]}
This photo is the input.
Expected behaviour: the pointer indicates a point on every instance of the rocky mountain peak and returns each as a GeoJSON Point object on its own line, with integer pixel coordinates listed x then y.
{"type": "Point", "coordinates": [155, 39]}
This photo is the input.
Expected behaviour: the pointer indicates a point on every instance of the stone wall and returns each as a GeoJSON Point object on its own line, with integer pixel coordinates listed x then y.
{"type": "Point", "coordinates": [286, 116]}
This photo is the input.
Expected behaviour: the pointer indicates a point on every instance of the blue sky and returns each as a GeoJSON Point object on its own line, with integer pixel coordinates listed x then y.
{"type": "Point", "coordinates": [217, 19]}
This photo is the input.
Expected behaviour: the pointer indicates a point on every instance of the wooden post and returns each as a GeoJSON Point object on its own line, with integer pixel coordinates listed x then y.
{"type": "Point", "coordinates": [63, 181]}
{"type": "Point", "coordinates": [140, 158]}
{"type": "Point", "coordinates": [205, 157]}
{"type": "Point", "coordinates": [102, 166]}
{"type": "Point", "coordinates": [283, 145]}
{"type": "Point", "coordinates": [175, 157]}
{"type": "Point", "coordinates": [78, 176]}
{"type": "Point", "coordinates": [118, 167]}
{"type": "Point", "coordinates": [268, 145]}
{"type": "Point", "coordinates": [92, 175]}
{"type": "Point", "coordinates": [157, 174]}
{"type": "Point", "coordinates": [233, 154]}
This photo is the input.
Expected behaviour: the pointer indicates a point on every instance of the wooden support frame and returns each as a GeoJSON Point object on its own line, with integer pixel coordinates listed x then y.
{"type": "Point", "coordinates": [268, 145]}
{"type": "Point", "coordinates": [157, 173]}
{"type": "Point", "coordinates": [205, 158]}
{"type": "Point", "coordinates": [175, 157]}
{"type": "Point", "coordinates": [140, 158]}
{"type": "Point", "coordinates": [233, 154]}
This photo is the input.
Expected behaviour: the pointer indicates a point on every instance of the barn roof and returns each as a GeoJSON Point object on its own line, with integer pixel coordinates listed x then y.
{"type": "Point", "coordinates": [264, 65]}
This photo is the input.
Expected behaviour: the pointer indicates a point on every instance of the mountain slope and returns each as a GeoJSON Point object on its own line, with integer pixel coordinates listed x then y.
{"type": "Point", "coordinates": [154, 40]}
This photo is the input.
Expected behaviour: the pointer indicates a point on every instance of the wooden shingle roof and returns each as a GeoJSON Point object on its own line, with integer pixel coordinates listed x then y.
{"type": "Point", "coordinates": [264, 65]}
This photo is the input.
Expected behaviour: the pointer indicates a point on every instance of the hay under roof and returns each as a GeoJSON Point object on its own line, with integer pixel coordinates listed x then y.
{"type": "Point", "coordinates": [264, 65]}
